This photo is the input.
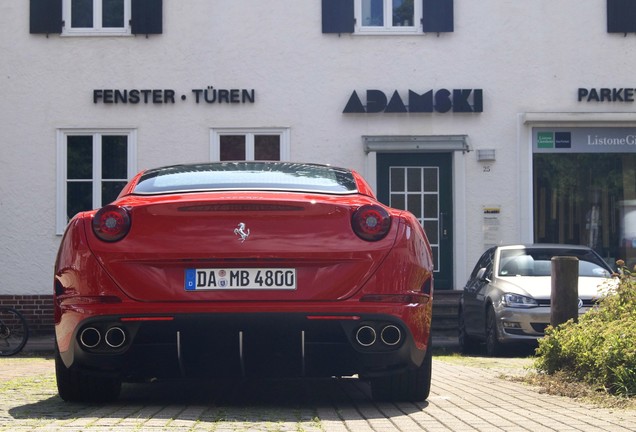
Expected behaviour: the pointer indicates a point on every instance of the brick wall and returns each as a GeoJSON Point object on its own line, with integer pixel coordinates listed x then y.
{"type": "Point", "coordinates": [37, 309]}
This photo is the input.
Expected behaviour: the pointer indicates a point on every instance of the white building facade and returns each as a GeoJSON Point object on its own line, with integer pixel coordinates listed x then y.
{"type": "Point", "coordinates": [494, 121]}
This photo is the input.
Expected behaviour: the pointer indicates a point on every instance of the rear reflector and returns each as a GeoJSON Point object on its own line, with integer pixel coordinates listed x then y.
{"type": "Point", "coordinates": [333, 317]}
{"type": "Point", "coordinates": [154, 318]}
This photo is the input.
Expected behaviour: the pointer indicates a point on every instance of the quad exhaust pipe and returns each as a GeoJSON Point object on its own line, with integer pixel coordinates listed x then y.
{"type": "Point", "coordinates": [114, 337]}
{"type": "Point", "coordinates": [390, 335]}
{"type": "Point", "coordinates": [366, 336]}
{"type": "Point", "coordinates": [90, 337]}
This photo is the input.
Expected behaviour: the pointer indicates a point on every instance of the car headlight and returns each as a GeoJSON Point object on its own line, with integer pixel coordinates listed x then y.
{"type": "Point", "coordinates": [519, 301]}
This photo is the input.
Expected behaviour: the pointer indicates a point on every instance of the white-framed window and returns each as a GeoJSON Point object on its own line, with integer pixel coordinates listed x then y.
{"type": "Point", "coordinates": [96, 17]}
{"type": "Point", "coordinates": [388, 16]}
{"type": "Point", "coordinates": [249, 144]}
{"type": "Point", "coordinates": [92, 168]}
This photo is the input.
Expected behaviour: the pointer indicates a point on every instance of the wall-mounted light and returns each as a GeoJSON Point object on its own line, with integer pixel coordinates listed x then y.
{"type": "Point", "coordinates": [486, 155]}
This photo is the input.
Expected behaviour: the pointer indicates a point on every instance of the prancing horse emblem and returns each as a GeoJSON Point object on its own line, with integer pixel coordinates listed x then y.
{"type": "Point", "coordinates": [241, 232]}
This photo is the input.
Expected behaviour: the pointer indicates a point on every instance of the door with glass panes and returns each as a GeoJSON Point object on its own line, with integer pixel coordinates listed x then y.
{"type": "Point", "coordinates": [422, 184]}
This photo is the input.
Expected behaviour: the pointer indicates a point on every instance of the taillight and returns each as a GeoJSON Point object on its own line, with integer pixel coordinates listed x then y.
{"type": "Point", "coordinates": [371, 222]}
{"type": "Point", "coordinates": [111, 223]}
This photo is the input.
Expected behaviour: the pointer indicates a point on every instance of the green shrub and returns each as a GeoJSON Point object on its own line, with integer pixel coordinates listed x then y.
{"type": "Point", "coordinates": [599, 349]}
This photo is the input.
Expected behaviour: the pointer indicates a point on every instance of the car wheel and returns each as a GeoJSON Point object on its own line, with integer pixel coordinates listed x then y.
{"type": "Point", "coordinates": [412, 385]}
{"type": "Point", "coordinates": [74, 385]}
{"type": "Point", "coordinates": [467, 343]}
{"type": "Point", "coordinates": [493, 346]}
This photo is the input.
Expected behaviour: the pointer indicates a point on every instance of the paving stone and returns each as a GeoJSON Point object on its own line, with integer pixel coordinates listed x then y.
{"type": "Point", "coordinates": [462, 399]}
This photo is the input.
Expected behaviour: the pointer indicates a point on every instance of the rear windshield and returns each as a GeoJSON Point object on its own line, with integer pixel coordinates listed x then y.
{"type": "Point", "coordinates": [538, 262]}
{"type": "Point", "coordinates": [282, 176]}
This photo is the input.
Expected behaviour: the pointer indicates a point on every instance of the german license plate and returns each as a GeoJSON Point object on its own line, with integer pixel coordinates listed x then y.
{"type": "Point", "coordinates": [240, 278]}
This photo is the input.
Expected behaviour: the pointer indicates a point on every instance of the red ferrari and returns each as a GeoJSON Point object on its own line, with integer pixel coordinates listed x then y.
{"type": "Point", "coordinates": [244, 269]}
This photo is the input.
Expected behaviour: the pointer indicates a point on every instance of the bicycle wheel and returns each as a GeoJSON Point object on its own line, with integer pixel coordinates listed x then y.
{"type": "Point", "coordinates": [14, 332]}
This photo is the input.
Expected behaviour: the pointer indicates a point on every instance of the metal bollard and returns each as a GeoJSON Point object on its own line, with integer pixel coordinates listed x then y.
{"type": "Point", "coordinates": [565, 290]}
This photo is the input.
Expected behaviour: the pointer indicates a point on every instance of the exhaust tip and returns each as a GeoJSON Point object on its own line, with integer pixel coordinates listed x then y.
{"type": "Point", "coordinates": [90, 337]}
{"type": "Point", "coordinates": [366, 336]}
{"type": "Point", "coordinates": [115, 337]}
{"type": "Point", "coordinates": [391, 335]}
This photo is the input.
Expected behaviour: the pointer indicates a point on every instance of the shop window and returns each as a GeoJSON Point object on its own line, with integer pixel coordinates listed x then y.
{"type": "Point", "coordinates": [96, 17]}
{"type": "Point", "coordinates": [93, 167]}
{"type": "Point", "coordinates": [387, 16]}
{"type": "Point", "coordinates": [586, 198]}
{"type": "Point", "coordinates": [255, 144]}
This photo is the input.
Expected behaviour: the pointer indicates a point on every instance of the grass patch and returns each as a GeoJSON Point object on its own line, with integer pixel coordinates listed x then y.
{"type": "Point", "coordinates": [522, 370]}
{"type": "Point", "coordinates": [560, 384]}
{"type": "Point", "coordinates": [498, 363]}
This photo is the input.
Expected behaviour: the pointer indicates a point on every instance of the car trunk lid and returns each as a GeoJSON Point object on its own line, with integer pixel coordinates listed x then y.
{"type": "Point", "coordinates": [241, 246]}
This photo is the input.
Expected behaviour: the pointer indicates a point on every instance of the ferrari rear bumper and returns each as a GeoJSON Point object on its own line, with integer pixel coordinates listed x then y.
{"type": "Point", "coordinates": [243, 345]}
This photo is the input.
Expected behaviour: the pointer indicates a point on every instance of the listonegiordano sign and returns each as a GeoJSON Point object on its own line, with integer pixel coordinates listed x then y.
{"type": "Point", "coordinates": [209, 95]}
{"type": "Point", "coordinates": [584, 140]}
{"type": "Point", "coordinates": [439, 101]}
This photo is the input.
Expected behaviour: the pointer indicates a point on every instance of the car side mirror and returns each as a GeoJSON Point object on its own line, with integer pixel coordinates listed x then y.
{"type": "Point", "coordinates": [481, 275]}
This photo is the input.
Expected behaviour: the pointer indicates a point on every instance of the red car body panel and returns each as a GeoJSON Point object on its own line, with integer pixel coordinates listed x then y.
{"type": "Point", "coordinates": [342, 281]}
{"type": "Point", "coordinates": [307, 232]}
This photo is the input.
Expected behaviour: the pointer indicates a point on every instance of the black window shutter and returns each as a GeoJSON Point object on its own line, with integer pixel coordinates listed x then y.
{"type": "Point", "coordinates": [337, 16]}
{"type": "Point", "coordinates": [437, 16]}
{"type": "Point", "coordinates": [45, 16]}
{"type": "Point", "coordinates": [146, 17]}
{"type": "Point", "coordinates": [621, 16]}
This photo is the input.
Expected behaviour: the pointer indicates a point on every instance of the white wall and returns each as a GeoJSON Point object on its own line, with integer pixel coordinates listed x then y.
{"type": "Point", "coordinates": [528, 56]}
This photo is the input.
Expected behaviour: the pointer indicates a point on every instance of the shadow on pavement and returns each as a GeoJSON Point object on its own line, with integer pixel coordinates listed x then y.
{"type": "Point", "coordinates": [251, 399]}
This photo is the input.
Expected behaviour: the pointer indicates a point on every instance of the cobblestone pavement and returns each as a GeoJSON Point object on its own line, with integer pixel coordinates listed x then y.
{"type": "Point", "coordinates": [463, 398]}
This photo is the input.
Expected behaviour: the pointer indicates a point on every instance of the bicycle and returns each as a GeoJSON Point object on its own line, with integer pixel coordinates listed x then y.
{"type": "Point", "coordinates": [14, 331]}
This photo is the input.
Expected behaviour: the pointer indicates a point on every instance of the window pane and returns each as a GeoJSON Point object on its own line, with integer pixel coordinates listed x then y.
{"type": "Point", "coordinates": [403, 12]}
{"type": "Point", "coordinates": [267, 147]}
{"type": "Point", "coordinates": [114, 157]}
{"type": "Point", "coordinates": [397, 201]}
{"type": "Point", "coordinates": [82, 13]}
{"type": "Point", "coordinates": [430, 206]}
{"type": "Point", "coordinates": [110, 190]}
{"type": "Point", "coordinates": [232, 147]}
{"type": "Point", "coordinates": [430, 179]}
{"type": "Point", "coordinates": [431, 231]}
{"type": "Point", "coordinates": [435, 251]}
{"type": "Point", "coordinates": [79, 157]}
{"type": "Point", "coordinates": [373, 13]}
{"type": "Point", "coordinates": [113, 13]}
{"type": "Point", "coordinates": [415, 204]}
{"type": "Point", "coordinates": [397, 179]}
{"type": "Point", "coordinates": [414, 179]}
{"type": "Point", "coordinates": [79, 197]}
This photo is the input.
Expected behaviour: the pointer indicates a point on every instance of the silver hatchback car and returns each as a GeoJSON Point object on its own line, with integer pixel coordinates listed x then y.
{"type": "Point", "coordinates": [507, 297]}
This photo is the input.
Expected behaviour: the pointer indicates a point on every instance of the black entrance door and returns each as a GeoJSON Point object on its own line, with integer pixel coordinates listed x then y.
{"type": "Point", "coordinates": [422, 184]}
